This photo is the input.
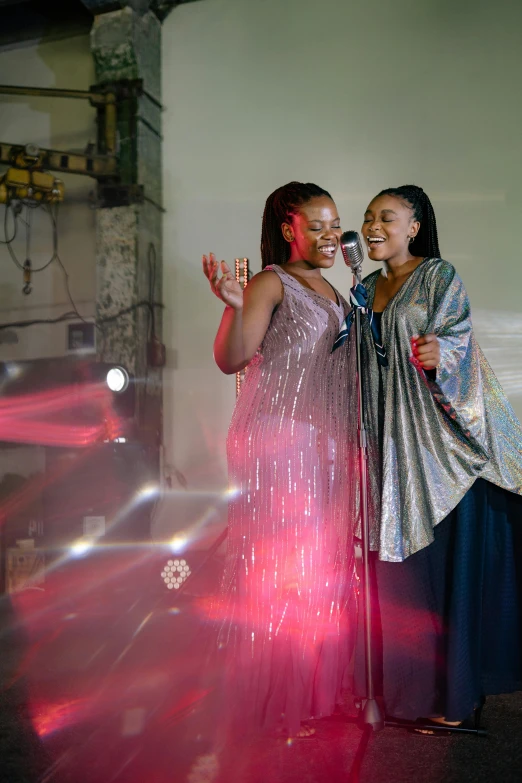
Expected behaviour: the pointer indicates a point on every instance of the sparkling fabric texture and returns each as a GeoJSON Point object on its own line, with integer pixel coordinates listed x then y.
{"type": "Point", "coordinates": [431, 439]}
{"type": "Point", "coordinates": [288, 593]}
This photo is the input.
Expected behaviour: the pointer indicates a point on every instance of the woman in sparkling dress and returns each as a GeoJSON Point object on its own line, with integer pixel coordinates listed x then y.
{"type": "Point", "coordinates": [445, 462]}
{"type": "Point", "coordinates": [287, 597]}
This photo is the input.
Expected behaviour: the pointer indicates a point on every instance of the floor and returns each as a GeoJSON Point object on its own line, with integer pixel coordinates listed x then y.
{"type": "Point", "coordinates": [101, 683]}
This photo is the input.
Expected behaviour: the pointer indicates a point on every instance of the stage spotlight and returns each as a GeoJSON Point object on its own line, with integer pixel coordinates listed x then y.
{"type": "Point", "coordinates": [175, 572]}
{"type": "Point", "coordinates": [117, 379]}
{"type": "Point", "coordinates": [13, 370]}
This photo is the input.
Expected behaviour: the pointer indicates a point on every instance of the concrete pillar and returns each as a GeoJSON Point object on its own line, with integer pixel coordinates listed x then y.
{"type": "Point", "coordinates": [127, 47]}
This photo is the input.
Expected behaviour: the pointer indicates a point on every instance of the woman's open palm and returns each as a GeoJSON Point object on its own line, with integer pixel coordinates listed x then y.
{"type": "Point", "coordinates": [225, 287]}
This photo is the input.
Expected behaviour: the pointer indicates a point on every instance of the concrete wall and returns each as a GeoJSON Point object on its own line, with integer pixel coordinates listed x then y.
{"type": "Point", "coordinates": [354, 95]}
{"type": "Point", "coordinates": [63, 125]}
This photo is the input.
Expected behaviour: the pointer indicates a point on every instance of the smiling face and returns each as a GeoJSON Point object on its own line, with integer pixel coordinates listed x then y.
{"type": "Point", "coordinates": [314, 233]}
{"type": "Point", "coordinates": [388, 227]}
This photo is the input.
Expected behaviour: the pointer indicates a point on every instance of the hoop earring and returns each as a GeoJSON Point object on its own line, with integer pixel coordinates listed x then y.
{"type": "Point", "coordinates": [411, 240]}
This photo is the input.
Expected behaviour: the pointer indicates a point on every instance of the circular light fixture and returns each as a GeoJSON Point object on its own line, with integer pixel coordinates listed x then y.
{"type": "Point", "coordinates": [175, 572]}
{"type": "Point", "coordinates": [117, 379]}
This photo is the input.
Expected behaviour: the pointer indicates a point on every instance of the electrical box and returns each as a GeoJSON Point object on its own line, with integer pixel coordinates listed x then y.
{"type": "Point", "coordinates": [24, 568]}
{"type": "Point", "coordinates": [81, 337]}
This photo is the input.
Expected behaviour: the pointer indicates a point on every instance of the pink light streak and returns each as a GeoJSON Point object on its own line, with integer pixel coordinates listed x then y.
{"type": "Point", "coordinates": [38, 418]}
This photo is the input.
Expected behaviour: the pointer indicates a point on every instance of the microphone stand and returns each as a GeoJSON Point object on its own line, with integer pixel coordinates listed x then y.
{"type": "Point", "coordinates": [370, 716]}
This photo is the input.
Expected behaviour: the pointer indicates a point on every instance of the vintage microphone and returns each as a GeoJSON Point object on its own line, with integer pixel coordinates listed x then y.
{"type": "Point", "coordinates": [370, 715]}
{"type": "Point", "coordinates": [352, 253]}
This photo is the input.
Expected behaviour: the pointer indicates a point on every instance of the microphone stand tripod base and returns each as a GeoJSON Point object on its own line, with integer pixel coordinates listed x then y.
{"type": "Point", "coordinates": [371, 716]}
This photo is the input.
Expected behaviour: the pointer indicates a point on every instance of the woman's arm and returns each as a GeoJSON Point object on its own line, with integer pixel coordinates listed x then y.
{"type": "Point", "coordinates": [449, 319]}
{"type": "Point", "coordinates": [247, 314]}
{"type": "Point", "coordinates": [457, 387]}
{"type": "Point", "coordinates": [449, 323]}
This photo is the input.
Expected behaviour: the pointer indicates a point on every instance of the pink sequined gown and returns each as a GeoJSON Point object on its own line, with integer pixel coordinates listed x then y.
{"type": "Point", "coordinates": [288, 590]}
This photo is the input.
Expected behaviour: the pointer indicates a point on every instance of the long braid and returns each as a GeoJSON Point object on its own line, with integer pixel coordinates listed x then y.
{"type": "Point", "coordinates": [426, 243]}
{"type": "Point", "coordinates": [279, 208]}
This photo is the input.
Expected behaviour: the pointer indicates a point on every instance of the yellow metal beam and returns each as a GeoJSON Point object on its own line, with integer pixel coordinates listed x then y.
{"type": "Point", "coordinates": [96, 166]}
{"type": "Point", "coordinates": [53, 92]}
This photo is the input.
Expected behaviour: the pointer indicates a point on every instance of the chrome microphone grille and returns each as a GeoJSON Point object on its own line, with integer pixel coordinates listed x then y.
{"type": "Point", "coordinates": [352, 251]}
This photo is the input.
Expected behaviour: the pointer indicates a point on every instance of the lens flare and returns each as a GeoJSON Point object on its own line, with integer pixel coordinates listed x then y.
{"type": "Point", "coordinates": [147, 491]}
{"type": "Point", "coordinates": [179, 543]}
{"type": "Point", "coordinates": [81, 547]}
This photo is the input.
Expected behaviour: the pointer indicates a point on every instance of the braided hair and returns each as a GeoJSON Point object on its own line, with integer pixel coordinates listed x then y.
{"type": "Point", "coordinates": [426, 242]}
{"type": "Point", "coordinates": [279, 208]}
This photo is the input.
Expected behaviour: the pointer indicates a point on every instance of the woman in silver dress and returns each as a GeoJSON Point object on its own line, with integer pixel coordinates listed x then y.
{"type": "Point", "coordinates": [445, 461]}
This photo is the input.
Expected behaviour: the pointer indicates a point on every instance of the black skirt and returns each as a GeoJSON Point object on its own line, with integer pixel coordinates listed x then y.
{"type": "Point", "coordinates": [448, 619]}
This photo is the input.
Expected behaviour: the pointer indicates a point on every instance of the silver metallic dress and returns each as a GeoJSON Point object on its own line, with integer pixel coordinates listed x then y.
{"type": "Point", "coordinates": [431, 439]}
{"type": "Point", "coordinates": [287, 597]}
{"type": "Point", "coordinates": [445, 470]}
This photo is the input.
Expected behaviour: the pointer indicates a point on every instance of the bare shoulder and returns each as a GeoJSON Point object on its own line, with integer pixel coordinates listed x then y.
{"type": "Point", "coordinates": [266, 285]}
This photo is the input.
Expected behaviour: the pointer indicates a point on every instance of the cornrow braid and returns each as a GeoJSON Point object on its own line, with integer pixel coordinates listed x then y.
{"type": "Point", "coordinates": [426, 243]}
{"type": "Point", "coordinates": [279, 208]}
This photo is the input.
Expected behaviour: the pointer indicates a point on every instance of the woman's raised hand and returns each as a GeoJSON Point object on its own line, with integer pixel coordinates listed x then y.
{"type": "Point", "coordinates": [225, 287]}
{"type": "Point", "coordinates": [426, 351]}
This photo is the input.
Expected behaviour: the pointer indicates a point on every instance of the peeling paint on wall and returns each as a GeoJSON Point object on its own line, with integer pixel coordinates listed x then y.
{"type": "Point", "coordinates": [127, 46]}
{"type": "Point", "coordinates": [116, 250]}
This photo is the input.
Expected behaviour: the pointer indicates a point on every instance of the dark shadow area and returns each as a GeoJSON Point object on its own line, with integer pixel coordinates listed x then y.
{"type": "Point", "coordinates": [23, 756]}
